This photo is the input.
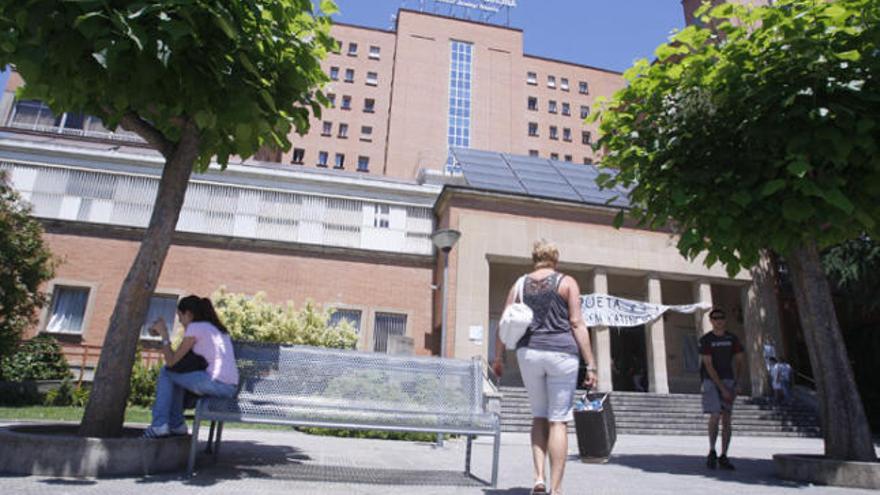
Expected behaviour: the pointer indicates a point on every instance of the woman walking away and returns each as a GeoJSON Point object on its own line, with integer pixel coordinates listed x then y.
{"type": "Point", "coordinates": [205, 336]}
{"type": "Point", "coordinates": [548, 360]}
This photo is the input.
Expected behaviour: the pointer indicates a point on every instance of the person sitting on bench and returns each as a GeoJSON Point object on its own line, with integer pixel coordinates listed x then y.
{"type": "Point", "coordinates": [214, 374]}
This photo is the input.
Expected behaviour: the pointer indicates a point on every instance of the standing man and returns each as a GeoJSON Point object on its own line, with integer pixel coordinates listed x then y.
{"type": "Point", "coordinates": [719, 350]}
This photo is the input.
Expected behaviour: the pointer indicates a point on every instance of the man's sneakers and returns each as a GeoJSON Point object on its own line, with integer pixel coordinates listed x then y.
{"type": "Point", "coordinates": [724, 462]}
{"type": "Point", "coordinates": [163, 431]}
{"type": "Point", "coordinates": [712, 460]}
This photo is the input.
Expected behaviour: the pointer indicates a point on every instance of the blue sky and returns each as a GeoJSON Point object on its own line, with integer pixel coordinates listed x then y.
{"type": "Point", "coordinates": [610, 34]}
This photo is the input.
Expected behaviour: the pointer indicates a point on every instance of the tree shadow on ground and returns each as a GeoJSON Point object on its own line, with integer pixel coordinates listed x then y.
{"type": "Point", "coordinates": [249, 460]}
{"type": "Point", "coordinates": [748, 471]}
{"type": "Point", "coordinates": [508, 491]}
{"type": "Point", "coordinates": [69, 481]}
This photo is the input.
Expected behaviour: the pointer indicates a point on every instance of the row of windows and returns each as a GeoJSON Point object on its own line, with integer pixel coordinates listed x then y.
{"type": "Point", "coordinates": [583, 86]}
{"type": "Point", "coordinates": [375, 52]}
{"type": "Point", "coordinates": [342, 131]}
{"type": "Point", "coordinates": [372, 77]}
{"type": "Point", "coordinates": [553, 107]}
{"type": "Point", "coordinates": [345, 103]}
{"type": "Point", "coordinates": [586, 136]}
{"type": "Point", "coordinates": [68, 309]}
{"type": "Point", "coordinates": [567, 158]}
{"type": "Point", "coordinates": [299, 158]}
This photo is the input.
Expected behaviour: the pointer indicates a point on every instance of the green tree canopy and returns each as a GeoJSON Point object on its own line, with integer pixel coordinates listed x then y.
{"type": "Point", "coordinates": [243, 71]}
{"type": "Point", "coordinates": [758, 129]}
{"type": "Point", "coordinates": [759, 133]}
{"type": "Point", "coordinates": [25, 264]}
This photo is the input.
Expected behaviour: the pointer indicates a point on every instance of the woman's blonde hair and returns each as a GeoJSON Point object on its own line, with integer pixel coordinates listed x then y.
{"type": "Point", "coordinates": [545, 254]}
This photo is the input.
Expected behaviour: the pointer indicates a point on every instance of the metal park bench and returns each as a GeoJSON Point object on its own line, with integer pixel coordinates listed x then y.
{"type": "Point", "coordinates": [316, 387]}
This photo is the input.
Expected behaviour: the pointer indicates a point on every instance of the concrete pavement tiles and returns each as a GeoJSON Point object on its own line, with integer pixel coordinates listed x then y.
{"type": "Point", "coordinates": [270, 462]}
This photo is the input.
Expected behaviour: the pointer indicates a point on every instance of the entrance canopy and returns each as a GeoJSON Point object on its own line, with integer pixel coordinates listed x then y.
{"type": "Point", "coordinates": [602, 310]}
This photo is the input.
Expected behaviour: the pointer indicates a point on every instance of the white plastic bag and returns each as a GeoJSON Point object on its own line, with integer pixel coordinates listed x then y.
{"type": "Point", "coordinates": [516, 318]}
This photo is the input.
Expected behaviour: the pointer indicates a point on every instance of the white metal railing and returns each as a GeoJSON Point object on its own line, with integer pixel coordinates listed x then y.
{"type": "Point", "coordinates": [33, 115]}
{"type": "Point", "coordinates": [117, 198]}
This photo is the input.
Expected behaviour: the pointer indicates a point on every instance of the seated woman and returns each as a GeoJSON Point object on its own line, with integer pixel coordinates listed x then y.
{"type": "Point", "coordinates": [206, 336]}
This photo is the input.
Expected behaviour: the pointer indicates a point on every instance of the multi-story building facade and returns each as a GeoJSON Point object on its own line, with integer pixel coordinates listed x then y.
{"type": "Point", "coordinates": [344, 218]}
{"type": "Point", "coordinates": [402, 98]}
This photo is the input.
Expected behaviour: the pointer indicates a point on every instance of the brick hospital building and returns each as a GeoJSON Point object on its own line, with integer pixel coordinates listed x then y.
{"type": "Point", "coordinates": [437, 123]}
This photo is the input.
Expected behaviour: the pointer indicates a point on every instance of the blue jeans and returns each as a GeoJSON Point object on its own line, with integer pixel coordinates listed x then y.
{"type": "Point", "coordinates": [170, 389]}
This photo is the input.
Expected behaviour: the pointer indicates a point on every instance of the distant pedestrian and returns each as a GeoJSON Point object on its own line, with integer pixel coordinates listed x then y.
{"type": "Point", "coordinates": [720, 350]}
{"type": "Point", "coordinates": [781, 377]}
{"type": "Point", "coordinates": [548, 360]}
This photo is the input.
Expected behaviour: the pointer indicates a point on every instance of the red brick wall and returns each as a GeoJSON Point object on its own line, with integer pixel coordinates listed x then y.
{"type": "Point", "coordinates": [334, 281]}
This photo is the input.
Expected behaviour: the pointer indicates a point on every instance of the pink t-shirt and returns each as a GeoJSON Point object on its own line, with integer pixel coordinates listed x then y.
{"type": "Point", "coordinates": [216, 347]}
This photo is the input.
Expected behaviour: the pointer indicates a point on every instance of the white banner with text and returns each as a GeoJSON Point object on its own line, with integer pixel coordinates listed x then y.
{"type": "Point", "coordinates": [612, 311]}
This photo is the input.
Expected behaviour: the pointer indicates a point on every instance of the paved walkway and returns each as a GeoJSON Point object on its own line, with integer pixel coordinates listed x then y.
{"type": "Point", "coordinates": [282, 462]}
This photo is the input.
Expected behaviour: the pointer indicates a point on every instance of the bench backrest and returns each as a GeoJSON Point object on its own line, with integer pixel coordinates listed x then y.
{"type": "Point", "coordinates": [341, 379]}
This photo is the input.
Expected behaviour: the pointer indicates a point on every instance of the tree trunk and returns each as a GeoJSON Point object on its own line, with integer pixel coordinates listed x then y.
{"type": "Point", "coordinates": [105, 411]}
{"type": "Point", "coordinates": [844, 423]}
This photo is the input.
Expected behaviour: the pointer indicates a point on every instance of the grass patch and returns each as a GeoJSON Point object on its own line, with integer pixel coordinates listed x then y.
{"type": "Point", "coordinates": [133, 414]}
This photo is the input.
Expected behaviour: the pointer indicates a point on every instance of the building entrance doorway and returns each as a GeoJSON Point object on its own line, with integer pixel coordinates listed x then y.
{"type": "Point", "coordinates": [629, 363]}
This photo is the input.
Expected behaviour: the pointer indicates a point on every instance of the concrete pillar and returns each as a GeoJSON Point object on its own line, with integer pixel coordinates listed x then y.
{"type": "Point", "coordinates": [601, 337]}
{"type": "Point", "coordinates": [702, 293]}
{"type": "Point", "coordinates": [655, 343]}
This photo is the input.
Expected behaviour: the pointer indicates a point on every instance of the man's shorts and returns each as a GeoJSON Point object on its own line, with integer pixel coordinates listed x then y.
{"type": "Point", "coordinates": [712, 401]}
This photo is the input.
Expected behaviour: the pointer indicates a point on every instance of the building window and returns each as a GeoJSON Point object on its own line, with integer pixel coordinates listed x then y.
{"type": "Point", "coordinates": [585, 111]}
{"type": "Point", "coordinates": [372, 78]}
{"type": "Point", "coordinates": [566, 109]}
{"type": "Point", "coordinates": [532, 78]}
{"type": "Point", "coordinates": [586, 137]}
{"type": "Point", "coordinates": [327, 128]}
{"type": "Point", "coordinates": [588, 160]}
{"type": "Point", "coordinates": [566, 134]}
{"type": "Point", "coordinates": [386, 326]}
{"type": "Point", "coordinates": [343, 131]}
{"type": "Point", "coordinates": [349, 75]}
{"type": "Point", "coordinates": [568, 158]}
{"type": "Point", "coordinates": [369, 105]}
{"type": "Point", "coordinates": [68, 309]}
{"type": "Point", "coordinates": [298, 155]}
{"type": "Point", "coordinates": [331, 98]}
{"type": "Point", "coordinates": [459, 122]}
{"type": "Point", "coordinates": [563, 84]}
{"type": "Point", "coordinates": [375, 52]}
{"type": "Point", "coordinates": [334, 73]}
{"type": "Point", "coordinates": [551, 82]}
{"type": "Point", "coordinates": [554, 132]}
{"type": "Point", "coordinates": [366, 133]}
{"type": "Point", "coordinates": [161, 306]}
{"type": "Point", "coordinates": [340, 161]}
{"type": "Point", "coordinates": [551, 106]}
{"type": "Point", "coordinates": [352, 316]}
{"type": "Point", "coordinates": [583, 88]}
{"type": "Point", "coordinates": [363, 164]}
{"type": "Point", "coordinates": [554, 156]}
{"type": "Point", "coordinates": [323, 156]}
{"type": "Point", "coordinates": [533, 152]}
{"type": "Point", "coordinates": [346, 102]}
{"type": "Point", "coordinates": [533, 128]}
{"type": "Point", "coordinates": [533, 103]}
{"type": "Point", "coordinates": [352, 49]}
{"type": "Point", "coordinates": [381, 216]}
{"type": "Point", "coordinates": [337, 47]}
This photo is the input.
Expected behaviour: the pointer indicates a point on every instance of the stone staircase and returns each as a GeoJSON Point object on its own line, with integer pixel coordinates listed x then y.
{"type": "Point", "coordinates": [676, 414]}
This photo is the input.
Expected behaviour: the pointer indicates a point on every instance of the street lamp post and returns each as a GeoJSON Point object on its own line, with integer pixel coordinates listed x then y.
{"type": "Point", "coordinates": [444, 239]}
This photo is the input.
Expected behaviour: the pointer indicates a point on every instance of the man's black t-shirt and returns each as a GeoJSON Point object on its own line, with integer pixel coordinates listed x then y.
{"type": "Point", "coordinates": [722, 349]}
